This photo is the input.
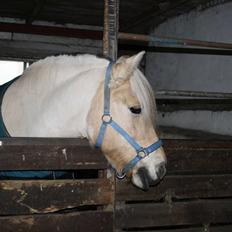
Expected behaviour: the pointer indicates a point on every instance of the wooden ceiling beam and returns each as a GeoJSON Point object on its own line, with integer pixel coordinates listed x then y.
{"type": "Point", "coordinates": [39, 4]}
{"type": "Point", "coordinates": [150, 14]}
{"type": "Point", "coordinates": [49, 30]}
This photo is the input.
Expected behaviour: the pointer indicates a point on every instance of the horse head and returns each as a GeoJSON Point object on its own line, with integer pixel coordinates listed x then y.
{"type": "Point", "coordinates": [132, 107]}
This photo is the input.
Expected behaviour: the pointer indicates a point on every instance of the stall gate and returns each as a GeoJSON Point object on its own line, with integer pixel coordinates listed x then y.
{"type": "Point", "coordinates": [196, 194]}
{"type": "Point", "coordinates": [83, 203]}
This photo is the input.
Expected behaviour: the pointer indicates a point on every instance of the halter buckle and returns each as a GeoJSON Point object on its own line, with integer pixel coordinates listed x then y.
{"type": "Point", "coordinates": [106, 118]}
{"type": "Point", "coordinates": [142, 153]}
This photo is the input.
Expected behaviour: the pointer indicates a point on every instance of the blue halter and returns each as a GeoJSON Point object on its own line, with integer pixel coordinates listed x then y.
{"type": "Point", "coordinates": [141, 152]}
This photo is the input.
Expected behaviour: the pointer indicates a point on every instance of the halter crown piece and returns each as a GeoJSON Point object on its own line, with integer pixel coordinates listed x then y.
{"type": "Point", "coordinates": [107, 120]}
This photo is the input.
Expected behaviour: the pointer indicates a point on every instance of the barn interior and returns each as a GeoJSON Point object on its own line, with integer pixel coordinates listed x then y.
{"type": "Point", "coordinates": [193, 89]}
{"type": "Point", "coordinates": [31, 30]}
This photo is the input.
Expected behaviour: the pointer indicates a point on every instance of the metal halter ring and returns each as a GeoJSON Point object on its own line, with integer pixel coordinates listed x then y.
{"type": "Point", "coordinates": [142, 153]}
{"type": "Point", "coordinates": [106, 118]}
{"type": "Point", "coordinates": [120, 176]}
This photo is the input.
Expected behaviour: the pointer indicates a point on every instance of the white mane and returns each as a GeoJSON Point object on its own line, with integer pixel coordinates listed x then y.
{"type": "Point", "coordinates": [60, 68]}
{"type": "Point", "coordinates": [143, 91]}
{"type": "Point", "coordinates": [80, 60]}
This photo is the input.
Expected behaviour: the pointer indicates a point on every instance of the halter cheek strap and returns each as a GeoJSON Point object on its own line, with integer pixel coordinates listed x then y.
{"type": "Point", "coordinates": [107, 120]}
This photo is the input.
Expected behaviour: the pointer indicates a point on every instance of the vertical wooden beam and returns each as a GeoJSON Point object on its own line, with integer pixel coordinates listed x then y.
{"type": "Point", "coordinates": [111, 25]}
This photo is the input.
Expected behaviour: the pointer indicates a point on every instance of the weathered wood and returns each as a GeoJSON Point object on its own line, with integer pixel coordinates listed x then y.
{"type": "Point", "coordinates": [169, 132]}
{"type": "Point", "coordinates": [51, 31]}
{"type": "Point", "coordinates": [172, 105]}
{"type": "Point", "coordinates": [126, 47]}
{"type": "Point", "coordinates": [198, 156]}
{"type": "Point", "coordinates": [21, 141]}
{"type": "Point", "coordinates": [173, 214]}
{"type": "Point", "coordinates": [110, 34]}
{"type": "Point", "coordinates": [178, 187]}
{"type": "Point", "coordinates": [165, 41]}
{"type": "Point", "coordinates": [184, 156]}
{"type": "Point", "coordinates": [199, 162]}
{"type": "Point", "coordinates": [188, 145]}
{"type": "Point", "coordinates": [33, 50]}
{"type": "Point", "coordinates": [224, 228]}
{"type": "Point", "coordinates": [26, 197]}
{"type": "Point", "coordinates": [45, 154]}
{"type": "Point", "coordinates": [80, 221]}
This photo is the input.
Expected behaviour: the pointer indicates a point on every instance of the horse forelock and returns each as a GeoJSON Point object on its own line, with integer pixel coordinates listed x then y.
{"type": "Point", "coordinates": [144, 92]}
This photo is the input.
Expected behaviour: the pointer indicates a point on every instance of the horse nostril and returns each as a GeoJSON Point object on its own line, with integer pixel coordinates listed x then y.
{"type": "Point", "coordinates": [161, 170]}
{"type": "Point", "coordinates": [144, 176]}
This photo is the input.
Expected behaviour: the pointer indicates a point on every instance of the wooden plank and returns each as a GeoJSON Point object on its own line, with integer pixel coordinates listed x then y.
{"type": "Point", "coordinates": [32, 50]}
{"type": "Point", "coordinates": [193, 156]}
{"type": "Point", "coordinates": [26, 197]}
{"type": "Point", "coordinates": [178, 187]}
{"type": "Point", "coordinates": [169, 132]}
{"type": "Point", "coordinates": [49, 154]}
{"type": "Point", "coordinates": [51, 30]}
{"type": "Point", "coordinates": [177, 104]}
{"type": "Point", "coordinates": [185, 229]}
{"type": "Point", "coordinates": [21, 141]}
{"type": "Point", "coordinates": [184, 145]}
{"type": "Point", "coordinates": [223, 228]}
{"type": "Point", "coordinates": [174, 214]}
{"type": "Point", "coordinates": [124, 47]}
{"type": "Point", "coordinates": [184, 156]}
{"type": "Point", "coordinates": [95, 221]}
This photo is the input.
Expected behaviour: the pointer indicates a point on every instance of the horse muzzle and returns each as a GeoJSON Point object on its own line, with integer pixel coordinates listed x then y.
{"type": "Point", "coordinates": [143, 178]}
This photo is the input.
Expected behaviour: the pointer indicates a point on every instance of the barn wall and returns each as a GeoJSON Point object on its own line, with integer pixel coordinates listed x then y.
{"type": "Point", "coordinates": [195, 72]}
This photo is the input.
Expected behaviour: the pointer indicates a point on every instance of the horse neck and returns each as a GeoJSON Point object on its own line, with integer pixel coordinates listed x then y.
{"type": "Point", "coordinates": [57, 111]}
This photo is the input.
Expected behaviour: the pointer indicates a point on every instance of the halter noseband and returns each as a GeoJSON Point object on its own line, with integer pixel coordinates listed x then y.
{"type": "Point", "coordinates": [141, 152]}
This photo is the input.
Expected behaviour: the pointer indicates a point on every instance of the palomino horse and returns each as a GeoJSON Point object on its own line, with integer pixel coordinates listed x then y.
{"type": "Point", "coordinates": [112, 105]}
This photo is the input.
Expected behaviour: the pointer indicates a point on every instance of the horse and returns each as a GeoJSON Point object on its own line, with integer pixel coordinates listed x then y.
{"type": "Point", "coordinates": [68, 96]}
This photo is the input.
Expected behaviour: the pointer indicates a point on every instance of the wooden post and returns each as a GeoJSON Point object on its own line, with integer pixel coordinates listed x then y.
{"type": "Point", "coordinates": [110, 35]}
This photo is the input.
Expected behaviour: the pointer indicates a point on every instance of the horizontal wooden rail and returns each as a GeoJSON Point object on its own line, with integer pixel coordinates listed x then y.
{"type": "Point", "coordinates": [77, 221]}
{"type": "Point", "coordinates": [174, 214]}
{"type": "Point", "coordinates": [49, 154]}
{"type": "Point", "coordinates": [97, 35]}
{"type": "Point", "coordinates": [47, 196]}
{"type": "Point", "coordinates": [179, 188]}
{"type": "Point", "coordinates": [164, 40]}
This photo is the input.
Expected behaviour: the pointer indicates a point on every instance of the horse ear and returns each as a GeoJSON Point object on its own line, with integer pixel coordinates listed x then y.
{"type": "Point", "coordinates": [123, 69]}
{"type": "Point", "coordinates": [135, 60]}
{"type": "Point", "coordinates": [122, 59]}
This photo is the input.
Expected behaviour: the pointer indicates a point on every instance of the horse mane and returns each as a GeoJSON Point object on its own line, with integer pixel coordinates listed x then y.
{"type": "Point", "coordinates": [60, 68]}
{"type": "Point", "coordinates": [144, 92]}
{"type": "Point", "coordinates": [80, 60]}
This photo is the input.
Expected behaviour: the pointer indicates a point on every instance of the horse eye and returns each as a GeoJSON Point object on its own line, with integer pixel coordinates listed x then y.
{"type": "Point", "coordinates": [135, 110]}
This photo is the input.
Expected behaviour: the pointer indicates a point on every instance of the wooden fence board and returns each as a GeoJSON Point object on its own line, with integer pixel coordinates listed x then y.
{"type": "Point", "coordinates": [178, 187]}
{"type": "Point", "coordinates": [223, 228]}
{"type": "Point", "coordinates": [193, 157]}
{"type": "Point", "coordinates": [173, 214]}
{"type": "Point", "coordinates": [25, 197]}
{"type": "Point", "coordinates": [193, 144]}
{"type": "Point", "coordinates": [81, 221]}
{"type": "Point", "coordinates": [49, 154]}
